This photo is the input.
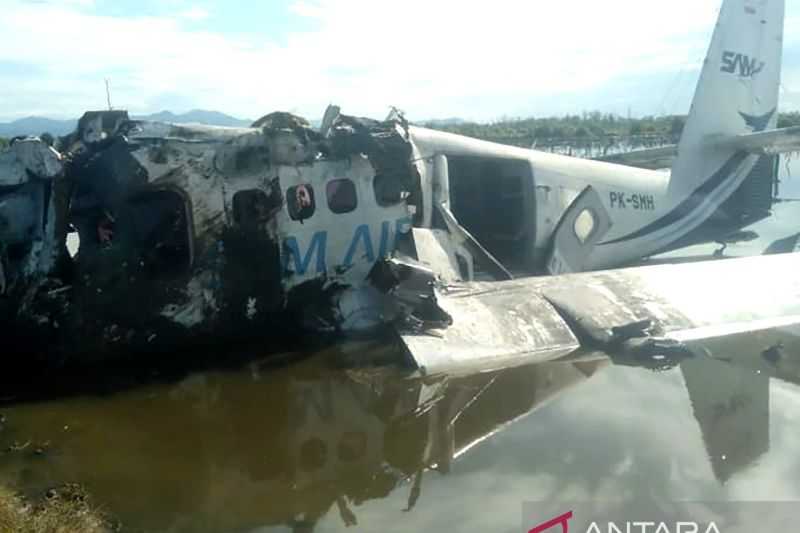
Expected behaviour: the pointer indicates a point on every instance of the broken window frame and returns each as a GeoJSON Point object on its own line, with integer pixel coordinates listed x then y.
{"type": "Point", "coordinates": [252, 209]}
{"type": "Point", "coordinates": [186, 212]}
{"type": "Point", "coordinates": [378, 186]}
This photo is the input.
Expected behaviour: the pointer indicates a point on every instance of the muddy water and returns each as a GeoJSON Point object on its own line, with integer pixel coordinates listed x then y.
{"type": "Point", "coordinates": [319, 444]}
{"type": "Point", "coordinates": [324, 443]}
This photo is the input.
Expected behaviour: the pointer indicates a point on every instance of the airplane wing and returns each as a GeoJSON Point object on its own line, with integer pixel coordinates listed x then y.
{"type": "Point", "coordinates": [641, 311]}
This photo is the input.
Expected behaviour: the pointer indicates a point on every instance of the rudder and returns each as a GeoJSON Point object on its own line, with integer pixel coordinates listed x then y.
{"type": "Point", "coordinates": [737, 94]}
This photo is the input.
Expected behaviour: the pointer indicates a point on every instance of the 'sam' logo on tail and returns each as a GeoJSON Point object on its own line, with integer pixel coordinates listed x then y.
{"type": "Point", "coordinates": [758, 123]}
{"type": "Point", "coordinates": [741, 64]}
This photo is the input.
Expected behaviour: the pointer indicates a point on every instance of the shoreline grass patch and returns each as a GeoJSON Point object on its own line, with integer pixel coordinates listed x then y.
{"type": "Point", "coordinates": [65, 509]}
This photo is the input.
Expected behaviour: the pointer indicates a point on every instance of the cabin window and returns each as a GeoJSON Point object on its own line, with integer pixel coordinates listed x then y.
{"type": "Point", "coordinates": [389, 190]}
{"type": "Point", "coordinates": [341, 196]}
{"type": "Point", "coordinates": [300, 200]}
{"type": "Point", "coordinates": [584, 225]}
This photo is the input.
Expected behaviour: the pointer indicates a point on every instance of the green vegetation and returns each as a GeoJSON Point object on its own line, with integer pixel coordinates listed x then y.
{"type": "Point", "coordinates": [3, 142]}
{"type": "Point", "coordinates": [788, 120]}
{"type": "Point", "coordinates": [589, 130]}
{"type": "Point", "coordinates": [63, 510]}
{"type": "Point", "coordinates": [576, 130]}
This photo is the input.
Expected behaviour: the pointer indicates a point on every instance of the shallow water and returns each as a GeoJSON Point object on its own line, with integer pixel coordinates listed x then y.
{"type": "Point", "coordinates": [323, 443]}
{"type": "Point", "coordinates": [316, 445]}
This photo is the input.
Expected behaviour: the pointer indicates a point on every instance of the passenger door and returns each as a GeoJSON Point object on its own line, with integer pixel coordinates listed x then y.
{"type": "Point", "coordinates": [584, 223]}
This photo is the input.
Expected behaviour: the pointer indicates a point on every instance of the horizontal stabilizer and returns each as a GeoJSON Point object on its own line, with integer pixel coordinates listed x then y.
{"type": "Point", "coordinates": [771, 142]}
{"type": "Point", "coordinates": [765, 142]}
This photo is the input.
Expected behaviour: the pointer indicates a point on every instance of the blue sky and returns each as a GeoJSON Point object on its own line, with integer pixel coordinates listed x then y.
{"type": "Point", "coordinates": [433, 59]}
{"type": "Point", "coordinates": [265, 20]}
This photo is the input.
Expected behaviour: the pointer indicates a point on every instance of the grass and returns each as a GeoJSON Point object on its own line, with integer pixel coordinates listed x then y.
{"type": "Point", "coordinates": [63, 510]}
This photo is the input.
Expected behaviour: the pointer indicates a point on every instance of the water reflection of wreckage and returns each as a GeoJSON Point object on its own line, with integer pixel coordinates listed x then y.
{"type": "Point", "coordinates": [328, 445]}
{"type": "Point", "coordinates": [402, 432]}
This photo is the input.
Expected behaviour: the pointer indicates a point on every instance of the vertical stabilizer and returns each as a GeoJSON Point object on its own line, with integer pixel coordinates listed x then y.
{"type": "Point", "coordinates": [737, 94]}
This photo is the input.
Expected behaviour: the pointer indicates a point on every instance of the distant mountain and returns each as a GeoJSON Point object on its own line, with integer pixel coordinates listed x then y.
{"type": "Point", "coordinates": [39, 125]}
{"type": "Point", "coordinates": [198, 116]}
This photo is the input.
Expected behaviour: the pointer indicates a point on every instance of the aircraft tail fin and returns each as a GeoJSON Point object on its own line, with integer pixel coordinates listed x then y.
{"type": "Point", "coordinates": [737, 94]}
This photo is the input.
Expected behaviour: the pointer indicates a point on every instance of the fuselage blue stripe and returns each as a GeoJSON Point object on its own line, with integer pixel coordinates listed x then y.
{"type": "Point", "coordinates": [694, 201]}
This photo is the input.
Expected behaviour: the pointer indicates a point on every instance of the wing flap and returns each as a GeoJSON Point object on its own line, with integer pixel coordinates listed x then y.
{"type": "Point", "coordinates": [492, 329]}
{"type": "Point", "coordinates": [510, 323]}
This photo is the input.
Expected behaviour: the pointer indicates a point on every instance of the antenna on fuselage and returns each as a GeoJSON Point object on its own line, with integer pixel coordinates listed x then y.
{"type": "Point", "coordinates": [108, 94]}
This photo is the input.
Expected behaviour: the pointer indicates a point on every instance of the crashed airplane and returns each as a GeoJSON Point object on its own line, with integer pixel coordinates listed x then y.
{"type": "Point", "coordinates": [187, 235]}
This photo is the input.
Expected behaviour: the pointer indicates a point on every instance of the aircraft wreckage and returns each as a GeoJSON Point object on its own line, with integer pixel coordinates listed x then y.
{"type": "Point", "coordinates": [191, 235]}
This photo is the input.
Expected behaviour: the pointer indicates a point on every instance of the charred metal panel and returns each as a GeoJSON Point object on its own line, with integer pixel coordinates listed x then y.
{"type": "Point", "coordinates": [19, 215]}
{"type": "Point", "coordinates": [28, 159]}
{"type": "Point", "coordinates": [30, 172]}
{"type": "Point", "coordinates": [187, 232]}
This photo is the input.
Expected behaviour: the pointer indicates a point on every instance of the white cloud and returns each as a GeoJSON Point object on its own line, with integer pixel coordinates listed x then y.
{"type": "Point", "coordinates": [443, 58]}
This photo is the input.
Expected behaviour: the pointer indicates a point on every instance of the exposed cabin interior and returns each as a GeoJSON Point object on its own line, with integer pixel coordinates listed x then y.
{"type": "Point", "coordinates": [494, 200]}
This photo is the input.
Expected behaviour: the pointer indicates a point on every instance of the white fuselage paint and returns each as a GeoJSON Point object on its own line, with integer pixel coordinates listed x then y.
{"type": "Point", "coordinates": [338, 246]}
{"type": "Point", "coordinates": [343, 247]}
{"type": "Point", "coordinates": [634, 198]}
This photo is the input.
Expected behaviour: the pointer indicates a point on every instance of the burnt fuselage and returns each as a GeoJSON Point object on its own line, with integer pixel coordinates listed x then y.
{"type": "Point", "coordinates": [130, 237]}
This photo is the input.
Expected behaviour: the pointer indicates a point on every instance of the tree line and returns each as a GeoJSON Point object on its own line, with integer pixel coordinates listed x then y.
{"type": "Point", "coordinates": [589, 128]}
